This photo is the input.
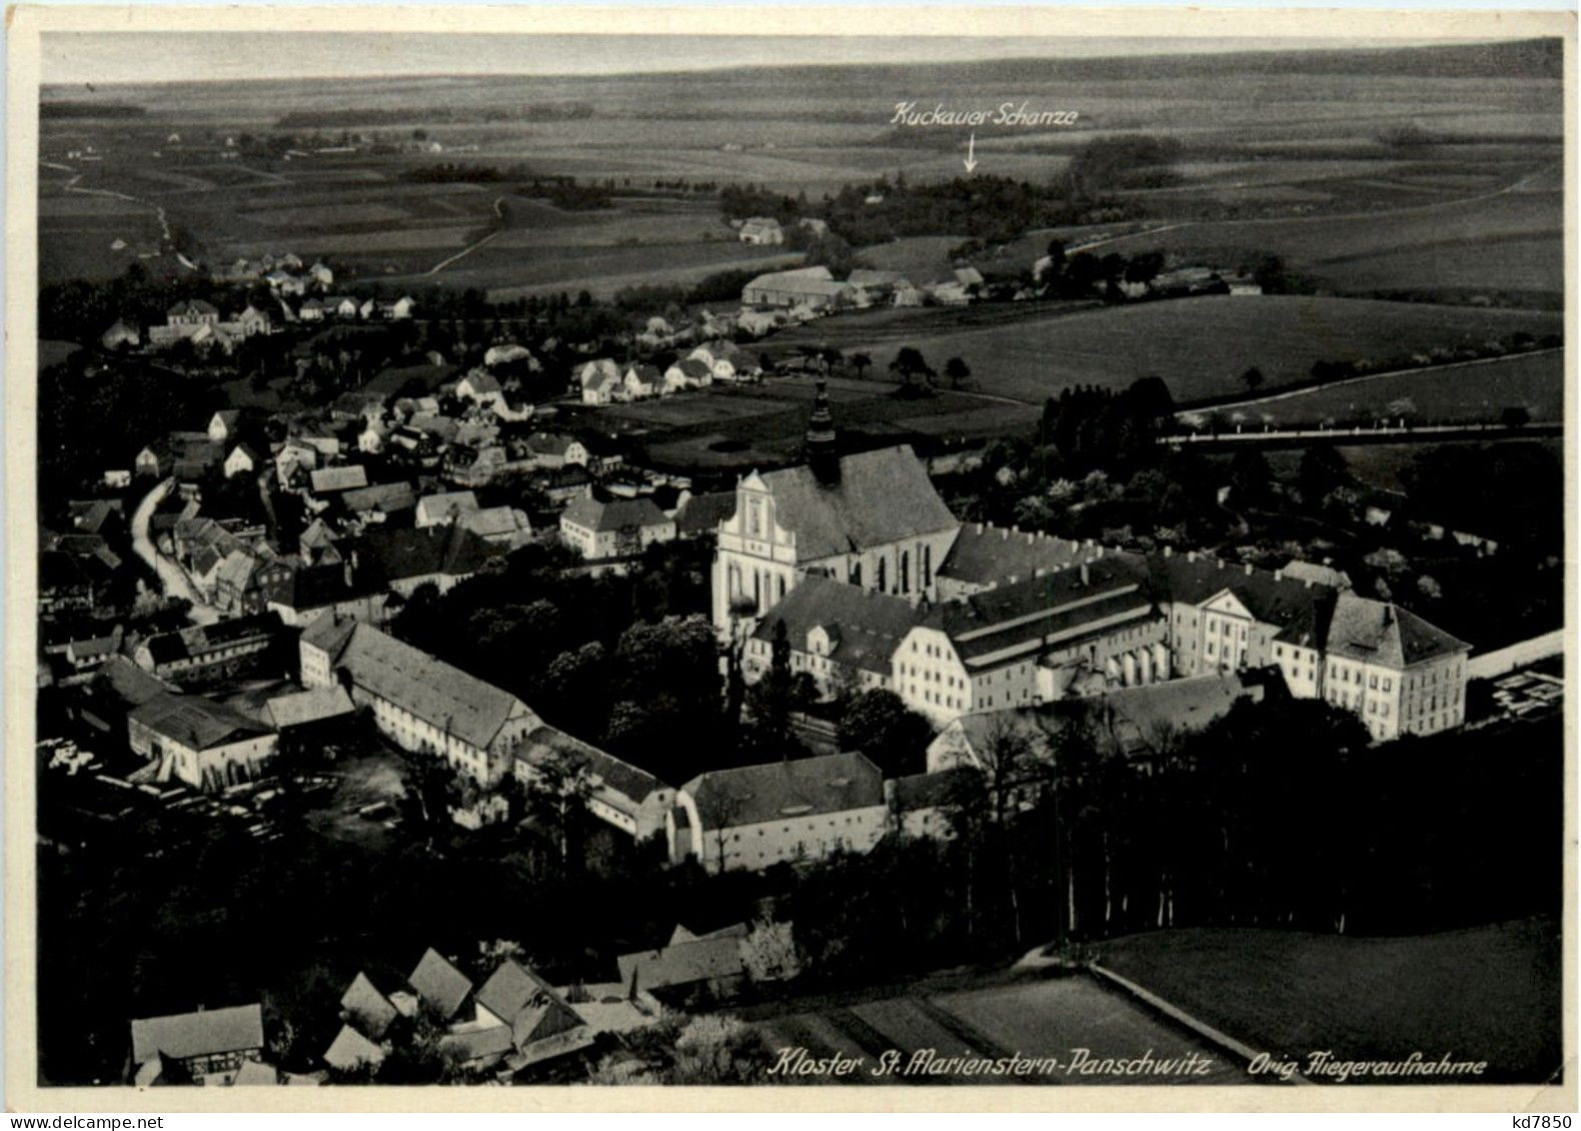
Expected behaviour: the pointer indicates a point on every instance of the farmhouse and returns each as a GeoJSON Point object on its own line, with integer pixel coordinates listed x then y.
{"type": "Point", "coordinates": [620, 528]}
{"type": "Point", "coordinates": [689, 373]}
{"type": "Point", "coordinates": [810, 286]}
{"type": "Point", "coordinates": [121, 333]}
{"type": "Point", "coordinates": [690, 966]}
{"type": "Point", "coordinates": [207, 651]}
{"type": "Point", "coordinates": [599, 381]}
{"type": "Point", "coordinates": [756, 816]}
{"type": "Point", "coordinates": [762, 230]}
{"type": "Point", "coordinates": [556, 449]}
{"type": "Point", "coordinates": [207, 1047]}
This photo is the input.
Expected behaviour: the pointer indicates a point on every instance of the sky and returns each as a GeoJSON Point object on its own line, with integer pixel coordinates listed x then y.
{"type": "Point", "coordinates": [134, 57]}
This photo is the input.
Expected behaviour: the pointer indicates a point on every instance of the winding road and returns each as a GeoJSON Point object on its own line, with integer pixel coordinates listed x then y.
{"type": "Point", "coordinates": [171, 577]}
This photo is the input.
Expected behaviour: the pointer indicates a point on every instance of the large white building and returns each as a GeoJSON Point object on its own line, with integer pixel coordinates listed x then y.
{"type": "Point", "coordinates": [753, 817]}
{"type": "Point", "coordinates": [419, 702]}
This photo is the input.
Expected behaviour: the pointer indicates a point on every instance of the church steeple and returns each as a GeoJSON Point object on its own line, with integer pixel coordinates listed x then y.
{"type": "Point", "coordinates": [823, 454]}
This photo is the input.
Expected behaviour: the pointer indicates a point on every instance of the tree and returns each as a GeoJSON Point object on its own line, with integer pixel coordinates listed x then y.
{"type": "Point", "coordinates": [1322, 471]}
{"type": "Point", "coordinates": [713, 1050]}
{"type": "Point", "coordinates": [1250, 477]}
{"type": "Point", "coordinates": [1515, 416]}
{"type": "Point", "coordinates": [562, 784]}
{"type": "Point", "coordinates": [909, 365]}
{"type": "Point", "coordinates": [769, 952]}
{"type": "Point", "coordinates": [860, 362]}
{"type": "Point", "coordinates": [1253, 379]}
{"type": "Point", "coordinates": [957, 371]}
{"type": "Point", "coordinates": [878, 723]}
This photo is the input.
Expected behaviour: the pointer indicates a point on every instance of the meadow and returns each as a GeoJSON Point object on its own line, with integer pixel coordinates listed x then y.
{"type": "Point", "coordinates": [1477, 392]}
{"type": "Point", "coordinates": [1484, 993]}
{"type": "Point", "coordinates": [1199, 346]}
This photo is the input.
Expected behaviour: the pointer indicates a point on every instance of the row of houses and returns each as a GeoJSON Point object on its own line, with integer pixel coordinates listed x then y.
{"type": "Point", "coordinates": [604, 381]}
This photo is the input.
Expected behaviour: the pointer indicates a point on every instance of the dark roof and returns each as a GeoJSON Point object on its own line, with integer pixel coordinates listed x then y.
{"type": "Point", "coordinates": [751, 795]}
{"type": "Point", "coordinates": [618, 514]}
{"type": "Point", "coordinates": [126, 682]}
{"type": "Point", "coordinates": [991, 555]}
{"type": "Point", "coordinates": [702, 514]}
{"type": "Point", "coordinates": [610, 772]}
{"type": "Point", "coordinates": [1381, 633]}
{"type": "Point", "coordinates": [682, 964]}
{"type": "Point", "coordinates": [1035, 610]}
{"type": "Point", "coordinates": [396, 555]}
{"type": "Point", "coordinates": [368, 1007]}
{"type": "Point", "coordinates": [881, 497]}
{"type": "Point", "coordinates": [195, 722]}
{"type": "Point", "coordinates": [513, 990]}
{"type": "Point", "coordinates": [924, 791]}
{"type": "Point", "coordinates": [182, 1036]}
{"type": "Point", "coordinates": [1300, 608]}
{"type": "Point", "coordinates": [439, 694]}
{"type": "Point", "coordinates": [551, 443]}
{"type": "Point", "coordinates": [196, 641]}
{"type": "Point", "coordinates": [385, 497]}
{"type": "Point", "coordinates": [320, 586]}
{"type": "Point", "coordinates": [865, 627]}
{"type": "Point", "coordinates": [439, 984]}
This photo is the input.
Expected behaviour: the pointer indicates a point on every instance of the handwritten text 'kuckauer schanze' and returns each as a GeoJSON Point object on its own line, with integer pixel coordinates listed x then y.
{"type": "Point", "coordinates": [1005, 114]}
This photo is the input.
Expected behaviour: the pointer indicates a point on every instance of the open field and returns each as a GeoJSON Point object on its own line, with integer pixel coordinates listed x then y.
{"type": "Point", "coordinates": [731, 427]}
{"type": "Point", "coordinates": [1458, 394]}
{"type": "Point", "coordinates": [1484, 993]}
{"type": "Point", "coordinates": [1199, 346]}
{"type": "Point", "coordinates": [1047, 1019]}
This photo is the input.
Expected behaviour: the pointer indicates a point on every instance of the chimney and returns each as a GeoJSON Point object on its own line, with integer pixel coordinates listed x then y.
{"type": "Point", "coordinates": [1031, 538]}
{"type": "Point", "coordinates": [1084, 575]}
{"type": "Point", "coordinates": [1279, 575]}
{"type": "Point", "coordinates": [1004, 535]}
{"type": "Point", "coordinates": [1168, 551]}
{"type": "Point", "coordinates": [1037, 571]}
{"type": "Point", "coordinates": [1099, 553]}
{"type": "Point", "coordinates": [1309, 583]}
{"type": "Point", "coordinates": [1388, 615]}
{"type": "Point", "coordinates": [1248, 569]}
{"type": "Point", "coordinates": [979, 528]}
{"type": "Point", "coordinates": [1012, 579]}
{"type": "Point", "coordinates": [1191, 555]}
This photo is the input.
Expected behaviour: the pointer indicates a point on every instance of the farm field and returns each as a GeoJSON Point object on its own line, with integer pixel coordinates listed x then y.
{"type": "Point", "coordinates": [1456, 394]}
{"type": "Point", "coordinates": [1484, 993]}
{"type": "Point", "coordinates": [1418, 246]}
{"type": "Point", "coordinates": [1200, 346]}
{"type": "Point", "coordinates": [1046, 1018]}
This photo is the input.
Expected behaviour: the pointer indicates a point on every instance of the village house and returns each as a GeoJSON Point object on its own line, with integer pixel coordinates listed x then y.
{"type": "Point", "coordinates": [556, 449]}
{"type": "Point", "coordinates": [334, 589]}
{"type": "Point", "coordinates": [442, 509]}
{"type": "Point", "coordinates": [753, 817]}
{"type": "Point", "coordinates": [405, 559]}
{"type": "Point", "coordinates": [688, 373]}
{"type": "Point", "coordinates": [620, 528]}
{"type": "Point", "coordinates": [598, 381]}
{"type": "Point", "coordinates": [209, 1046]}
{"type": "Point", "coordinates": [690, 969]}
{"type": "Point", "coordinates": [640, 382]}
{"type": "Point", "coordinates": [325, 481]}
{"type": "Point", "coordinates": [419, 702]}
{"type": "Point", "coordinates": [762, 230]}
{"type": "Point", "coordinates": [204, 744]}
{"type": "Point", "coordinates": [242, 461]}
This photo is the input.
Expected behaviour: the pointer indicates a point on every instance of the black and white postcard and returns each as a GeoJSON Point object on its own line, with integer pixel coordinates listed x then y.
{"type": "Point", "coordinates": [756, 549]}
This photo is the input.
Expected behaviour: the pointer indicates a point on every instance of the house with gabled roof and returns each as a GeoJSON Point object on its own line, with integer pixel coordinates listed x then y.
{"type": "Point", "coordinates": [690, 967]}
{"type": "Point", "coordinates": [629, 798]}
{"type": "Point", "coordinates": [688, 373]}
{"type": "Point", "coordinates": [364, 1007]}
{"type": "Point", "coordinates": [208, 1046]}
{"type": "Point", "coordinates": [752, 817]}
{"type": "Point", "coordinates": [441, 988]}
{"type": "Point", "coordinates": [350, 1051]}
{"type": "Point", "coordinates": [416, 700]}
{"type": "Point", "coordinates": [205, 744]}
{"type": "Point", "coordinates": [618, 528]}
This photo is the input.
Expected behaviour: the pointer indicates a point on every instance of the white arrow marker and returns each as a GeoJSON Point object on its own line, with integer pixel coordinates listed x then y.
{"type": "Point", "coordinates": [971, 161]}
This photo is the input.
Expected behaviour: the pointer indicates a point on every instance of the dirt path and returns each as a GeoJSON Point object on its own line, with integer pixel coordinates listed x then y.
{"type": "Point", "coordinates": [499, 211]}
{"type": "Point", "coordinates": [175, 582]}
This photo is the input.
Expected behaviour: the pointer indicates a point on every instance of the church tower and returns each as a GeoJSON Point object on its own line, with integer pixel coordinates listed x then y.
{"type": "Point", "coordinates": [822, 450]}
